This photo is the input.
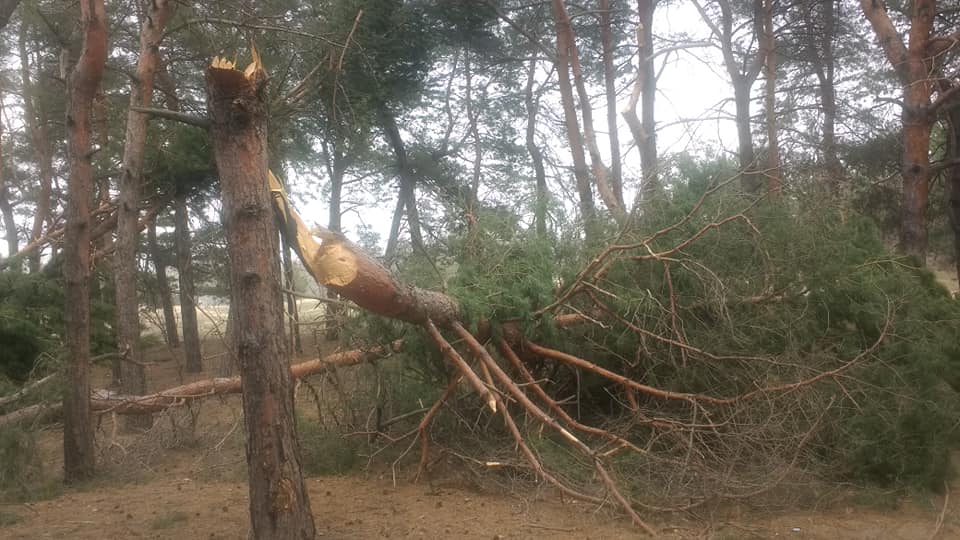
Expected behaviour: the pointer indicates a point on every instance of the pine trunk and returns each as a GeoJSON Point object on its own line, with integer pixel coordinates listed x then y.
{"type": "Point", "coordinates": [408, 184]}
{"type": "Point", "coordinates": [774, 181]}
{"type": "Point", "coordinates": [953, 186]}
{"type": "Point", "coordinates": [132, 374]}
{"type": "Point", "coordinates": [913, 64]}
{"type": "Point", "coordinates": [746, 156]}
{"type": "Point", "coordinates": [574, 138]}
{"type": "Point", "coordinates": [36, 120]}
{"type": "Point", "coordinates": [188, 309]}
{"type": "Point", "coordinates": [824, 65]}
{"type": "Point", "coordinates": [78, 449]}
{"type": "Point", "coordinates": [279, 507]}
{"type": "Point", "coordinates": [536, 155]}
{"type": "Point", "coordinates": [163, 286]}
{"type": "Point", "coordinates": [610, 91]}
{"type": "Point", "coordinates": [6, 209]}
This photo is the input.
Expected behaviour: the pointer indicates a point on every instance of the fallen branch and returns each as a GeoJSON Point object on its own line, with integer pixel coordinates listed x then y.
{"type": "Point", "coordinates": [26, 390]}
{"type": "Point", "coordinates": [103, 401]}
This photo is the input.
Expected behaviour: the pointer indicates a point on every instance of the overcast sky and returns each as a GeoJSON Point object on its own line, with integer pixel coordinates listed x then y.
{"type": "Point", "coordinates": [694, 112]}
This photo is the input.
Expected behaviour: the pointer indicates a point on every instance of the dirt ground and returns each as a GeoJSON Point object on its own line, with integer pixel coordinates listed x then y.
{"type": "Point", "coordinates": [157, 487]}
{"type": "Point", "coordinates": [370, 508]}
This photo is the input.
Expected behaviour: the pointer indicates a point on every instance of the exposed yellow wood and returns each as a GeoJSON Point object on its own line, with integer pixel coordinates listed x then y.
{"type": "Point", "coordinates": [330, 261]}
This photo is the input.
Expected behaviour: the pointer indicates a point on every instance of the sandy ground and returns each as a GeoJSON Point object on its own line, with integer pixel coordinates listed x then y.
{"type": "Point", "coordinates": [363, 508]}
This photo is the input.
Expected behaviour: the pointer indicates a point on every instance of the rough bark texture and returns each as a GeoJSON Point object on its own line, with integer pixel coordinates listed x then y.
{"type": "Point", "coordinates": [188, 309]}
{"type": "Point", "coordinates": [536, 155]}
{"type": "Point", "coordinates": [279, 507]}
{"type": "Point", "coordinates": [132, 375]}
{"type": "Point", "coordinates": [913, 65]}
{"type": "Point", "coordinates": [163, 286]}
{"type": "Point", "coordinates": [78, 450]}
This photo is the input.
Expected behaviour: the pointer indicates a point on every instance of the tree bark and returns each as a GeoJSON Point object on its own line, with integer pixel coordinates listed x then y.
{"type": "Point", "coordinates": [279, 507]}
{"type": "Point", "coordinates": [163, 286]}
{"type": "Point", "coordinates": [9, 223]}
{"type": "Point", "coordinates": [743, 73]}
{"type": "Point", "coordinates": [78, 450]}
{"type": "Point", "coordinates": [610, 90]}
{"type": "Point", "coordinates": [574, 137]}
{"type": "Point", "coordinates": [183, 246]}
{"type": "Point", "coordinates": [536, 155]}
{"type": "Point", "coordinates": [36, 120]}
{"type": "Point", "coordinates": [393, 239]}
{"type": "Point", "coordinates": [408, 184]}
{"type": "Point", "coordinates": [193, 360]}
{"type": "Point", "coordinates": [132, 375]}
{"type": "Point", "coordinates": [567, 38]}
{"type": "Point", "coordinates": [824, 63]}
{"type": "Point", "coordinates": [6, 209]}
{"type": "Point", "coordinates": [293, 313]}
{"type": "Point", "coordinates": [473, 198]}
{"type": "Point", "coordinates": [953, 184]}
{"type": "Point", "coordinates": [644, 129]}
{"type": "Point", "coordinates": [913, 66]}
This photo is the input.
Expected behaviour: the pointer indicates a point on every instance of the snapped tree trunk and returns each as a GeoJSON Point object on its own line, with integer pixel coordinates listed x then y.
{"type": "Point", "coordinates": [163, 286]}
{"type": "Point", "coordinates": [78, 450]}
{"type": "Point", "coordinates": [279, 507]}
{"type": "Point", "coordinates": [188, 309]}
{"type": "Point", "coordinates": [132, 374]}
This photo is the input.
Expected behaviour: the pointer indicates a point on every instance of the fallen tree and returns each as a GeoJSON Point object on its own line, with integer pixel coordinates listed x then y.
{"type": "Point", "coordinates": [712, 350]}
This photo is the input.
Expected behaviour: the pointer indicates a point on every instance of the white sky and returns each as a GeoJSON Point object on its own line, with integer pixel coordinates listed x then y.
{"type": "Point", "coordinates": [693, 86]}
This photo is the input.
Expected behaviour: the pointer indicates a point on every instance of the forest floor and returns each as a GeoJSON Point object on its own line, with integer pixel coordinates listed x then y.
{"type": "Point", "coordinates": [186, 481]}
